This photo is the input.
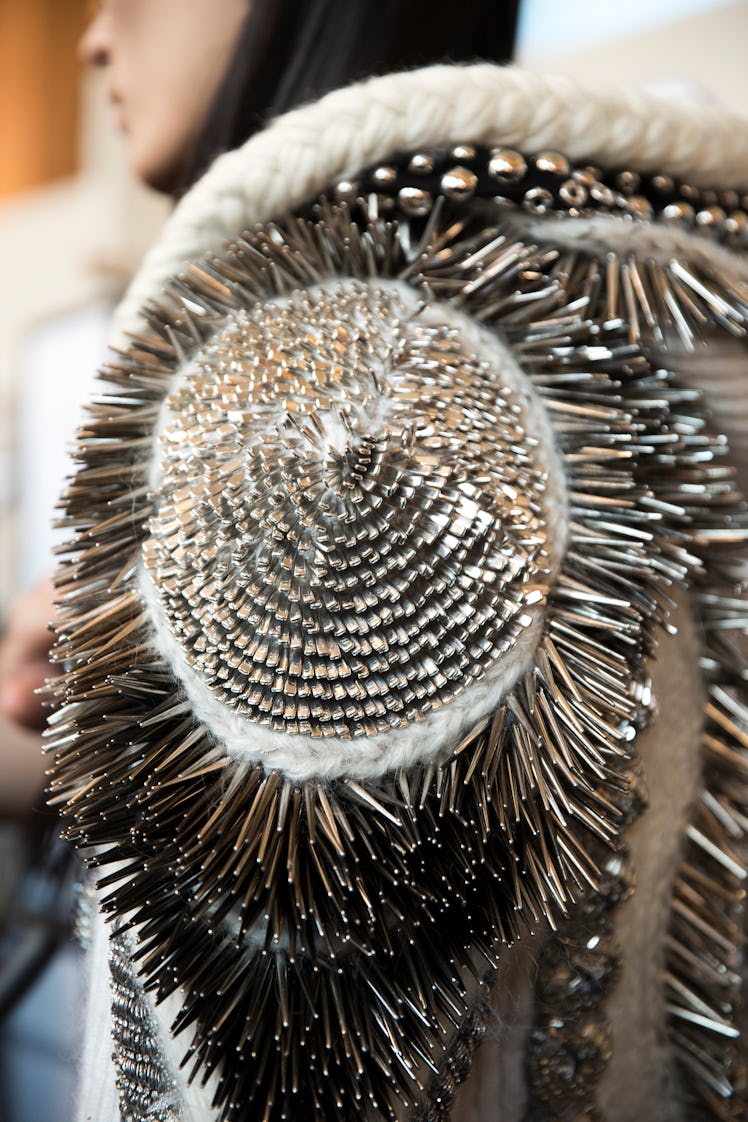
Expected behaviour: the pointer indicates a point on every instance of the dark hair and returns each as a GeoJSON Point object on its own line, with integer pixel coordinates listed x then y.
{"type": "Point", "coordinates": [291, 51]}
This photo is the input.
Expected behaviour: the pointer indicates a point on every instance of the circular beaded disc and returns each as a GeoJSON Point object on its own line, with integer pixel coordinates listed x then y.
{"type": "Point", "coordinates": [351, 521]}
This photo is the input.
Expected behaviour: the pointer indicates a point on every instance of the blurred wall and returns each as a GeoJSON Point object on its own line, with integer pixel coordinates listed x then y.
{"type": "Point", "coordinates": [68, 242]}
{"type": "Point", "coordinates": [690, 48]}
{"type": "Point", "coordinates": [38, 90]}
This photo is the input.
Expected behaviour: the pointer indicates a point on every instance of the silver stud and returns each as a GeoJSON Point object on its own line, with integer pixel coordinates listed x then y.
{"type": "Point", "coordinates": [663, 183]}
{"type": "Point", "coordinates": [602, 194]}
{"type": "Point", "coordinates": [573, 193]}
{"type": "Point", "coordinates": [506, 164]}
{"type": "Point", "coordinates": [628, 182]}
{"type": "Point", "coordinates": [711, 217]}
{"type": "Point", "coordinates": [553, 162]}
{"type": "Point", "coordinates": [538, 199]}
{"type": "Point", "coordinates": [422, 163]}
{"type": "Point", "coordinates": [346, 191]}
{"type": "Point", "coordinates": [459, 183]}
{"type": "Point", "coordinates": [585, 176]}
{"type": "Point", "coordinates": [678, 212]}
{"type": "Point", "coordinates": [639, 207]}
{"type": "Point", "coordinates": [384, 176]}
{"type": "Point", "coordinates": [463, 152]}
{"type": "Point", "coordinates": [414, 200]}
{"type": "Point", "coordinates": [736, 223]}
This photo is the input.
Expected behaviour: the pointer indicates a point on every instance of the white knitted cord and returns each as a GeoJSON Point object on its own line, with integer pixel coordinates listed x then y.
{"type": "Point", "coordinates": [309, 148]}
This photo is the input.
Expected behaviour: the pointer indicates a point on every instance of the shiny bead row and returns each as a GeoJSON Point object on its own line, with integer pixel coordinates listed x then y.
{"type": "Point", "coordinates": [548, 182]}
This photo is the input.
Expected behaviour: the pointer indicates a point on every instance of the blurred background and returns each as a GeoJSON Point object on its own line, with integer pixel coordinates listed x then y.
{"type": "Point", "coordinates": [73, 226]}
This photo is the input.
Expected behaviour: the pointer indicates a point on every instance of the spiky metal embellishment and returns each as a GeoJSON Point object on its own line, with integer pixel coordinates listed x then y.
{"type": "Point", "coordinates": [355, 630]}
{"type": "Point", "coordinates": [349, 528]}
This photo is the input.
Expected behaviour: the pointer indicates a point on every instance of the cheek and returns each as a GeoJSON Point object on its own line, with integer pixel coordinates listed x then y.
{"type": "Point", "coordinates": [167, 103]}
{"type": "Point", "coordinates": [160, 116]}
{"type": "Point", "coordinates": [157, 146]}
{"type": "Point", "coordinates": [169, 78]}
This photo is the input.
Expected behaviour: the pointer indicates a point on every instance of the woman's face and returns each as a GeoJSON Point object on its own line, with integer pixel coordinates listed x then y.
{"type": "Point", "coordinates": [166, 59]}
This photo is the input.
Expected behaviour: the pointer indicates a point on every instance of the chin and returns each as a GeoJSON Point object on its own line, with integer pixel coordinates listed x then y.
{"type": "Point", "coordinates": [160, 175]}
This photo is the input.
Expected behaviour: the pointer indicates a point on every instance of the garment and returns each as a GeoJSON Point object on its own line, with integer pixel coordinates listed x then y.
{"type": "Point", "coordinates": [404, 631]}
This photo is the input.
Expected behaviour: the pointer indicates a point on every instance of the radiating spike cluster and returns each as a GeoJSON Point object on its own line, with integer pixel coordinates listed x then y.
{"type": "Point", "coordinates": [694, 488]}
{"type": "Point", "coordinates": [345, 535]}
{"type": "Point", "coordinates": [659, 301]}
{"type": "Point", "coordinates": [706, 952]}
{"type": "Point", "coordinates": [324, 934]}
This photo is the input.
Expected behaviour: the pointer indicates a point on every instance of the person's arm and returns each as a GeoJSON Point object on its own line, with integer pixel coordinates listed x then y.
{"type": "Point", "coordinates": [24, 667]}
{"type": "Point", "coordinates": [22, 768]}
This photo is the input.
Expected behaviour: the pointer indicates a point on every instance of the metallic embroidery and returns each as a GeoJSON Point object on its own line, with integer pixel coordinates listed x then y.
{"type": "Point", "coordinates": [147, 1092]}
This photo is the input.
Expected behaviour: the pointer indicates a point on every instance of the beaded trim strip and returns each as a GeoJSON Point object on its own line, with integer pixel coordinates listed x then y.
{"type": "Point", "coordinates": [571, 1040]}
{"type": "Point", "coordinates": [147, 1092]}
{"type": "Point", "coordinates": [455, 1068]}
{"type": "Point", "coordinates": [546, 182]}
